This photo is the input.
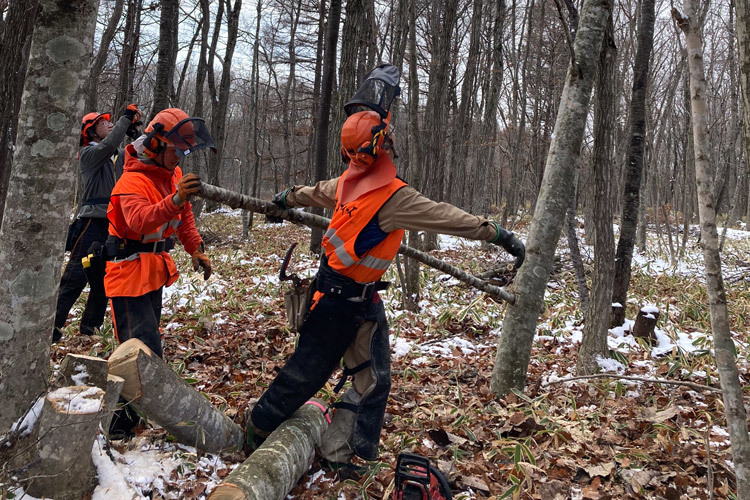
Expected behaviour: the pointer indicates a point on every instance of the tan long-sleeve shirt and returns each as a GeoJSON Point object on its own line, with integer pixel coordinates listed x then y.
{"type": "Point", "coordinates": [407, 209]}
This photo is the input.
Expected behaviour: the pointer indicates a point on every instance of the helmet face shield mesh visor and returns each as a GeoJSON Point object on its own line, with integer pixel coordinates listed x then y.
{"type": "Point", "coordinates": [190, 135]}
{"type": "Point", "coordinates": [377, 92]}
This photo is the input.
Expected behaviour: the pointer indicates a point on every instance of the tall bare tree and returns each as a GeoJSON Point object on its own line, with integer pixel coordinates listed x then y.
{"type": "Point", "coordinates": [33, 228]}
{"type": "Point", "coordinates": [15, 31]}
{"type": "Point", "coordinates": [164, 85]}
{"type": "Point", "coordinates": [596, 325]}
{"type": "Point", "coordinates": [743, 39]}
{"type": "Point", "coordinates": [100, 58]}
{"type": "Point", "coordinates": [519, 326]}
{"type": "Point", "coordinates": [724, 348]}
{"type": "Point", "coordinates": [634, 163]}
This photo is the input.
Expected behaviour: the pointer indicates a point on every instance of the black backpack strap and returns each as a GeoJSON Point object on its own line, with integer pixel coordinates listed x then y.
{"type": "Point", "coordinates": [348, 372]}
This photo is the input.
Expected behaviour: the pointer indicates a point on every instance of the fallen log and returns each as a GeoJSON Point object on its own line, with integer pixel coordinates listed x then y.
{"type": "Point", "coordinates": [152, 386]}
{"type": "Point", "coordinates": [68, 426]}
{"type": "Point", "coordinates": [275, 467]}
{"type": "Point", "coordinates": [237, 200]}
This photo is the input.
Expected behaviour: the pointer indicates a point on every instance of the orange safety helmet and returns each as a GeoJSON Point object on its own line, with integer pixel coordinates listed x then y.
{"type": "Point", "coordinates": [362, 137]}
{"type": "Point", "coordinates": [175, 127]}
{"type": "Point", "coordinates": [88, 122]}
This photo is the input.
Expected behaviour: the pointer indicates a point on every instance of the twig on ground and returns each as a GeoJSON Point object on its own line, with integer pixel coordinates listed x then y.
{"type": "Point", "coordinates": [698, 387]}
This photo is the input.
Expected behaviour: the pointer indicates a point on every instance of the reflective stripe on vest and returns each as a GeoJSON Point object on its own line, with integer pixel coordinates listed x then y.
{"type": "Point", "coordinates": [347, 223]}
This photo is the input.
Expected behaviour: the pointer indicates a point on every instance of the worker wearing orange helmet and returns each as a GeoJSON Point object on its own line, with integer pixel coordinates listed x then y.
{"type": "Point", "coordinates": [100, 162]}
{"type": "Point", "coordinates": [371, 209]}
{"type": "Point", "coordinates": [150, 203]}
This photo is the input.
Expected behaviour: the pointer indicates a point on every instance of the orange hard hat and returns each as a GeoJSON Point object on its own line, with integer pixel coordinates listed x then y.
{"type": "Point", "coordinates": [88, 121]}
{"type": "Point", "coordinates": [362, 137]}
{"type": "Point", "coordinates": [174, 126]}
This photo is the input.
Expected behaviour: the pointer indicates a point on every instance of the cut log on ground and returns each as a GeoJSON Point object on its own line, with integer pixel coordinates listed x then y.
{"type": "Point", "coordinates": [237, 200]}
{"type": "Point", "coordinates": [68, 426]}
{"type": "Point", "coordinates": [152, 386]}
{"type": "Point", "coordinates": [273, 469]}
{"type": "Point", "coordinates": [645, 323]}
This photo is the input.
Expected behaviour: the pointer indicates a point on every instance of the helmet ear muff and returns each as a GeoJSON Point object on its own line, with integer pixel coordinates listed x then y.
{"type": "Point", "coordinates": [151, 145]}
{"type": "Point", "coordinates": [368, 151]}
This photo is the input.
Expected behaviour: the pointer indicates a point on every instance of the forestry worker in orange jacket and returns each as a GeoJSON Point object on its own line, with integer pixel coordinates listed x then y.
{"type": "Point", "coordinates": [150, 203]}
{"type": "Point", "coordinates": [346, 318]}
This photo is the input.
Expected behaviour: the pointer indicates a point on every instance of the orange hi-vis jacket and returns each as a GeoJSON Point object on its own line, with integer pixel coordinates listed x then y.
{"type": "Point", "coordinates": [347, 222]}
{"type": "Point", "coordinates": [141, 209]}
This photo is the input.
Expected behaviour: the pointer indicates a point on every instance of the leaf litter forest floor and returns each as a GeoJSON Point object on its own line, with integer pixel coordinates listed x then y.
{"type": "Point", "coordinates": [590, 439]}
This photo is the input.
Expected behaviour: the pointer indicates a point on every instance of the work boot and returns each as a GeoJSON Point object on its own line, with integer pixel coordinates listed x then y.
{"type": "Point", "coordinates": [56, 334]}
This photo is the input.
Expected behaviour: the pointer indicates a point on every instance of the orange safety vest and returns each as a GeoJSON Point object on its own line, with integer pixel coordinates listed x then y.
{"type": "Point", "coordinates": [142, 272]}
{"type": "Point", "coordinates": [347, 222]}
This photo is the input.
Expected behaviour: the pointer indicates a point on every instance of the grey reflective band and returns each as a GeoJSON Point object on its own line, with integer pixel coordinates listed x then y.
{"type": "Point", "coordinates": [375, 263]}
{"type": "Point", "coordinates": [341, 252]}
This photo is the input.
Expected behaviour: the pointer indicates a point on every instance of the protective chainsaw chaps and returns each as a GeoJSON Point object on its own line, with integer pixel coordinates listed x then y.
{"type": "Point", "coordinates": [417, 479]}
{"type": "Point", "coordinates": [297, 297]}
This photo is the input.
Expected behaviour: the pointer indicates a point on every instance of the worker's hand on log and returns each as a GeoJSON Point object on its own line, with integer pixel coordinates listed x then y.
{"type": "Point", "coordinates": [510, 244]}
{"type": "Point", "coordinates": [279, 199]}
{"type": "Point", "coordinates": [187, 186]}
{"type": "Point", "coordinates": [200, 260]}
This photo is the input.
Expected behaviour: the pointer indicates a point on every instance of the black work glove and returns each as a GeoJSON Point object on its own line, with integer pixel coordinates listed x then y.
{"type": "Point", "coordinates": [134, 114]}
{"type": "Point", "coordinates": [510, 244]}
{"type": "Point", "coordinates": [279, 199]}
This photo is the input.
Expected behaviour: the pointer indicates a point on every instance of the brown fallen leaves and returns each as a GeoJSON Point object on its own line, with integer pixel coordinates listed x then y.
{"type": "Point", "coordinates": [596, 440]}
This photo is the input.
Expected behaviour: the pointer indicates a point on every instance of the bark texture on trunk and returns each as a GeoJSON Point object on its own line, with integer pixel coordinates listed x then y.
{"type": "Point", "coordinates": [519, 326]}
{"type": "Point", "coordinates": [41, 189]}
{"type": "Point", "coordinates": [163, 85]}
{"type": "Point", "coordinates": [273, 469]}
{"type": "Point", "coordinates": [152, 386]}
{"type": "Point", "coordinates": [724, 348]}
{"type": "Point", "coordinates": [743, 44]}
{"type": "Point", "coordinates": [634, 162]}
{"type": "Point", "coordinates": [597, 318]}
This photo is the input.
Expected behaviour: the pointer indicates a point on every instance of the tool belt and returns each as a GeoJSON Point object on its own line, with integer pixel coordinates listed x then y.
{"type": "Point", "coordinates": [118, 248]}
{"type": "Point", "coordinates": [335, 284]}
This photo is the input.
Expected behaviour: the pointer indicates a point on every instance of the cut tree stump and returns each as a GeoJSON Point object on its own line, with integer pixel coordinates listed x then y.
{"type": "Point", "coordinates": [275, 467]}
{"type": "Point", "coordinates": [68, 426]}
{"type": "Point", "coordinates": [77, 369]}
{"type": "Point", "coordinates": [156, 390]}
{"type": "Point", "coordinates": [645, 323]}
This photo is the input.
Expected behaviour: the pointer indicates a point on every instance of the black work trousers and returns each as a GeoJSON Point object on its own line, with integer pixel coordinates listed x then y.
{"type": "Point", "coordinates": [139, 317]}
{"type": "Point", "coordinates": [74, 279]}
{"type": "Point", "coordinates": [329, 330]}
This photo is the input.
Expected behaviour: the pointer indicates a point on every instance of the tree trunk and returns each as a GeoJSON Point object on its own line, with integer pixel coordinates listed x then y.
{"type": "Point", "coordinates": [132, 30]}
{"type": "Point", "coordinates": [101, 57]}
{"type": "Point", "coordinates": [152, 386]}
{"type": "Point", "coordinates": [634, 164]}
{"type": "Point", "coordinates": [220, 104]}
{"type": "Point", "coordinates": [597, 319]}
{"type": "Point", "coordinates": [724, 348]}
{"type": "Point", "coordinates": [324, 111]}
{"type": "Point", "coordinates": [15, 36]}
{"type": "Point", "coordinates": [743, 42]}
{"type": "Point", "coordinates": [519, 326]}
{"type": "Point", "coordinates": [575, 249]}
{"type": "Point", "coordinates": [247, 217]}
{"type": "Point", "coordinates": [273, 469]}
{"type": "Point", "coordinates": [34, 227]}
{"type": "Point", "coordinates": [163, 84]}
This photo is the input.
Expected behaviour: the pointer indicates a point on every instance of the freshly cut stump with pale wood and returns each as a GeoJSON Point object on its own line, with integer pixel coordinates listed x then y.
{"type": "Point", "coordinates": [156, 390]}
{"type": "Point", "coordinates": [77, 369]}
{"type": "Point", "coordinates": [68, 426]}
{"type": "Point", "coordinates": [275, 467]}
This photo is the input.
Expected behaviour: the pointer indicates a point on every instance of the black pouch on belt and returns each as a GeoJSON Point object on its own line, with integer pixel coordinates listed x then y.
{"type": "Point", "coordinates": [94, 262]}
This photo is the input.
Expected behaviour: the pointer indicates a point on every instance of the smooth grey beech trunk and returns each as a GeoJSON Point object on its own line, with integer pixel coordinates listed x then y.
{"type": "Point", "coordinates": [32, 236]}
{"type": "Point", "coordinates": [724, 348]}
{"type": "Point", "coordinates": [519, 326]}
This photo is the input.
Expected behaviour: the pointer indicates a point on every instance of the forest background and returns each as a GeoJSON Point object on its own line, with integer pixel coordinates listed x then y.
{"type": "Point", "coordinates": [481, 89]}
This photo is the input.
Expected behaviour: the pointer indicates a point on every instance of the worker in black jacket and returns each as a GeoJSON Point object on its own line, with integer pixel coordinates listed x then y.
{"type": "Point", "coordinates": [100, 162]}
